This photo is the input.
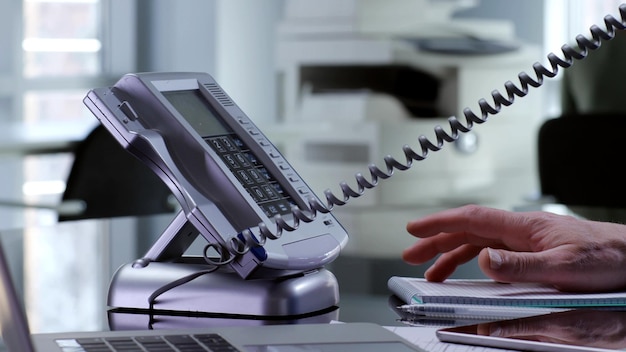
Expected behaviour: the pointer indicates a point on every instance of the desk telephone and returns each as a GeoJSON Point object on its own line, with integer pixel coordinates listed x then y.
{"type": "Point", "coordinates": [227, 176]}
{"type": "Point", "coordinates": [236, 189]}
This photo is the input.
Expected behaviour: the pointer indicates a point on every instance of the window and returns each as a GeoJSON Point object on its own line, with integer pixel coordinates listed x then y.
{"type": "Point", "coordinates": [62, 38]}
{"type": "Point", "coordinates": [64, 54]}
{"type": "Point", "coordinates": [54, 51]}
{"type": "Point", "coordinates": [563, 21]}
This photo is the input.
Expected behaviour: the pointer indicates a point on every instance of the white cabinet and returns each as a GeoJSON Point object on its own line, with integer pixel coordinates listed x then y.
{"type": "Point", "coordinates": [501, 169]}
{"type": "Point", "coordinates": [330, 136]}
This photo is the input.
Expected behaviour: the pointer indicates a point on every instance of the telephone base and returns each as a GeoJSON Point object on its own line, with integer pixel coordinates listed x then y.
{"type": "Point", "coordinates": [128, 320]}
{"type": "Point", "coordinates": [218, 297]}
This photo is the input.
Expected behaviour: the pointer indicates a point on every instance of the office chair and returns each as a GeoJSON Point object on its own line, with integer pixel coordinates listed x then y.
{"type": "Point", "coordinates": [110, 182]}
{"type": "Point", "coordinates": [580, 158]}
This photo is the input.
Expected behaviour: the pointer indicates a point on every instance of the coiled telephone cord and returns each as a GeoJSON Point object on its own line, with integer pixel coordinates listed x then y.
{"type": "Point", "coordinates": [242, 244]}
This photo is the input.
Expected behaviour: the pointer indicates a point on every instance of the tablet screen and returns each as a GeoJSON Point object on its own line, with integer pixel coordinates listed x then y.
{"type": "Point", "coordinates": [334, 347]}
{"type": "Point", "coordinates": [575, 330]}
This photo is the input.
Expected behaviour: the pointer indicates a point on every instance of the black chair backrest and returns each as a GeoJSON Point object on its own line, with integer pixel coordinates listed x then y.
{"type": "Point", "coordinates": [580, 160]}
{"type": "Point", "coordinates": [112, 182]}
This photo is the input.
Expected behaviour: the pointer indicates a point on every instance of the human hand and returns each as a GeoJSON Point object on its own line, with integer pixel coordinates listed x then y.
{"type": "Point", "coordinates": [568, 253]}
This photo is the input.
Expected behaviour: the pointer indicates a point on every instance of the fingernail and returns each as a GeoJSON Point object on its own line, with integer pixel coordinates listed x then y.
{"type": "Point", "coordinates": [426, 273]}
{"type": "Point", "coordinates": [495, 259]}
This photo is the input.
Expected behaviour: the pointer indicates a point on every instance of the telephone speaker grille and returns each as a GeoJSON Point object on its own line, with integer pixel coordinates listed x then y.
{"type": "Point", "coordinates": [219, 94]}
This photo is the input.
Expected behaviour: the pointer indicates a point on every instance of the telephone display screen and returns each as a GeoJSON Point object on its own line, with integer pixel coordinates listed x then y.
{"type": "Point", "coordinates": [241, 161]}
{"type": "Point", "coordinates": [197, 111]}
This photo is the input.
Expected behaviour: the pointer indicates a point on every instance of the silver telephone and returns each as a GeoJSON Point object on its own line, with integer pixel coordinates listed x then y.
{"type": "Point", "coordinates": [227, 176]}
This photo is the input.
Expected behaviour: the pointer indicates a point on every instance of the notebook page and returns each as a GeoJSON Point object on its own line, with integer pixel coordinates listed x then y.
{"type": "Point", "coordinates": [489, 292]}
{"type": "Point", "coordinates": [426, 338]}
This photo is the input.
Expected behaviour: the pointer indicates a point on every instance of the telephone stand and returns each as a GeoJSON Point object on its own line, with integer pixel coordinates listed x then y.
{"type": "Point", "coordinates": [220, 297]}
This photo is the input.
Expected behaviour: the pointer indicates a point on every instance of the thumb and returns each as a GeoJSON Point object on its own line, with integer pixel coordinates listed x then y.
{"type": "Point", "coordinates": [507, 266]}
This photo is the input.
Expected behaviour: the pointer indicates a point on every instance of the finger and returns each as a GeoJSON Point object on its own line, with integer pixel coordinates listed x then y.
{"type": "Point", "coordinates": [428, 248]}
{"type": "Point", "coordinates": [479, 221]}
{"type": "Point", "coordinates": [447, 263]}
{"type": "Point", "coordinates": [542, 267]}
{"type": "Point", "coordinates": [507, 266]}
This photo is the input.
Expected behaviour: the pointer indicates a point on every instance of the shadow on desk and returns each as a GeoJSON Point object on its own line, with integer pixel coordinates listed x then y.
{"type": "Point", "coordinates": [368, 276]}
{"type": "Point", "coordinates": [363, 291]}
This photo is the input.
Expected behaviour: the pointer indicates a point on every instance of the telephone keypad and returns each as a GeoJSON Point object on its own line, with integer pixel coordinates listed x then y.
{"type": "Point", "coordinates": [252, 175]}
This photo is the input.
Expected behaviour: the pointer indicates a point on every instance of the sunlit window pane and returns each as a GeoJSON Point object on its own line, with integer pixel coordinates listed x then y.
{"type": "Point", "coordinates": [61, 38]}
{"type": "Point", "coordinates": [63, 45]}
{"type": "Point", "coordinates": [596, 10]}
{"type": "Point", "coordinates": [45, 177]}
{"type": "Point", "coordinates": [38, 64]}
{"type": "Point", "coordinates": [55, 106]}
{"type": "Point", "coordinates": [61, 57]}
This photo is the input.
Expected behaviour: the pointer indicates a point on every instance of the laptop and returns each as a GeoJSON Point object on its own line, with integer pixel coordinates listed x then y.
{"type": "Point", "coordinates": [341, 337]}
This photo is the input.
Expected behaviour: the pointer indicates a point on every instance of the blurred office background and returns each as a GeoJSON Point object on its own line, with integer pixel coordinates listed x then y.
{"type": "Point", "coordinates": [315, 76]}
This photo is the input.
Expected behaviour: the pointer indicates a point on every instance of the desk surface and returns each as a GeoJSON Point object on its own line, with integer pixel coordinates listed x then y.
{"type": "Point", "coordinates": [67, 268]}
{"type": "Point", "coordinates": [64, 270]}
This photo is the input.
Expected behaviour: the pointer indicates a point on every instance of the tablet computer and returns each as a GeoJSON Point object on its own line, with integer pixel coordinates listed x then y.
{"type": "Point", "coordinates": [574, 330]}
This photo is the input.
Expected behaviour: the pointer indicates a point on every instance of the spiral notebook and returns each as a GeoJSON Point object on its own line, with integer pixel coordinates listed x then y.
{"type": "Point", "coordinates": [489, 292]}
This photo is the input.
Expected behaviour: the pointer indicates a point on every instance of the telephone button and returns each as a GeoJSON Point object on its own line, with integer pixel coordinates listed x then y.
{"type": "Point", "coordinates": [226, 142]}
{"type": "Point", "coordinates": [256, 175]}
{"type": "Point", "coordinates": [265, 173]}
{"type": "Point", "coordinates": [278, 188]}
{"type": "Point", "coordinates": [231, 161]}
{"type": "Point", "coordinates": [284, 207]}
{"type": "Point", "coordinates": [238, 142]}
{"type": "Point", "coordinates": [242, 160]}
{"type": "Point", "coordinates": [271, 210]}
{"type": "Point", "coordinates": [243, 175]}
{"type": "Point", "coordinates": [252, 158]}
{"type": "Point", "coordinates": [269, 190]}
{"type": "Point", "coordinates": [217, 145]}
{"type": "Point", "coordinates": [128, 110]}
{"type": "Point", "coordinates": [242, 120]}
{"type": "Point", "coordinates": [258, 192]}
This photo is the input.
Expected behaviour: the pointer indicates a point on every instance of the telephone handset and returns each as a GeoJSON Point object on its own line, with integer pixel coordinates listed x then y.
{"type": "Point", "coordinates": [231, 181]}
{"type": "Point", "coordinates": [226, 175]}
